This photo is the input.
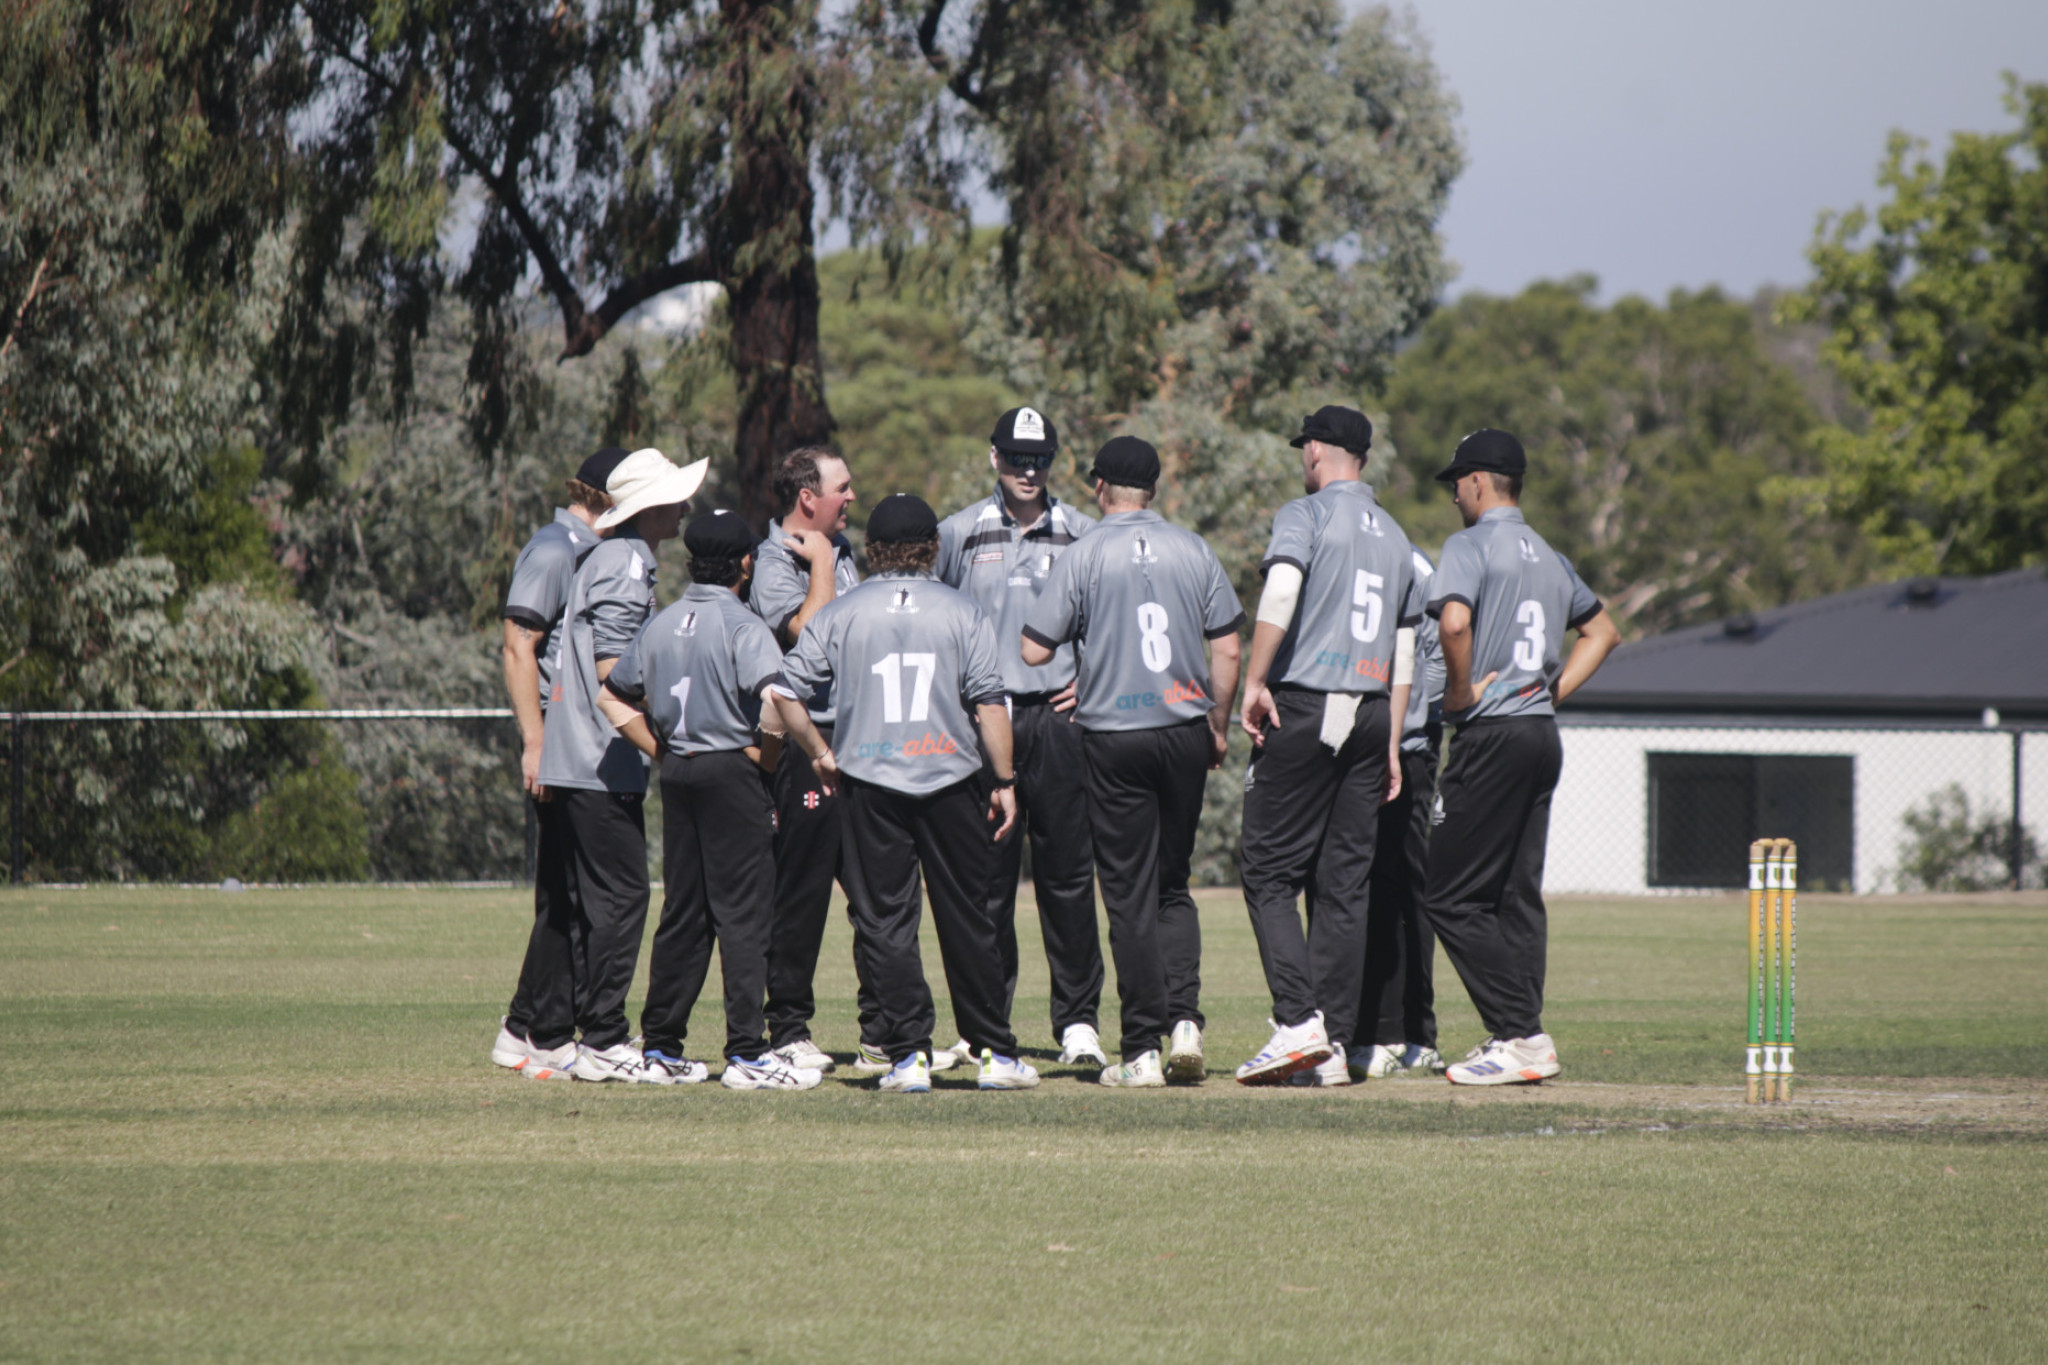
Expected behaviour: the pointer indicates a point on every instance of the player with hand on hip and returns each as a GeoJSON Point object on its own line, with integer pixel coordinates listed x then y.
{"type": "Point", "coordinates": [1000, 551]}
{"type": "Point", "coordinates": [1331, 660]}
{"type": "Point", "coordinates": [1503, 600]}
{"type": "Point", "coordinates": [1145, 599]}
{"type": "Point", "coordinates": [912, 663]}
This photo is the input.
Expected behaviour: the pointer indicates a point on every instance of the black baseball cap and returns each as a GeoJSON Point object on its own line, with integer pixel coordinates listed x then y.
{"type": "Point", "coordinates": [1489, 450]}
{"type": "Point", "coordinates": [1127, 461]}
{"type": "Point", "coordinates": [1025, 431]}
{"type": "Point", "coordinates": [719, 535]}
{"type": "Point", "coordinates": [1346, 427]}
{"type": "Point", "coordinates": [597, 470]}
{"type": "Point", "coordinates": [902, 519]}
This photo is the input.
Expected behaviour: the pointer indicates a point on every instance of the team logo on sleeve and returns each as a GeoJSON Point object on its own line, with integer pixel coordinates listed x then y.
{"type": "Point", "coordinates": [901, 601]}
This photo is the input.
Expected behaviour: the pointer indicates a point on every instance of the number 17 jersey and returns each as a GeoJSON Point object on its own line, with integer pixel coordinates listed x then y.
{"type": "Point", "coordinates": [1523, 596]}
{"type": "Point", "coordinates": [1141, 596]}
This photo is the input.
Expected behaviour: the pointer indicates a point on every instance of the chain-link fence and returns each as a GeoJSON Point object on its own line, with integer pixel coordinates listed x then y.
{"type": "Point", "coordinates": [1649, 805]}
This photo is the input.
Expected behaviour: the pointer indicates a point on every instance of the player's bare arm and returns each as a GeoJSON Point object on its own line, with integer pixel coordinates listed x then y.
{"type": "Point", "coordinates": [628, 719]}
{"type": "Point", "coordinates": [1454, 636]}
{"type": "Point", "coordinates": [1397, 706]}
{"type": "Point", "coordinates": [816, 549]}
{"type": "Point", "coordinates": [522, 681]}
{"type": "Point", "coordinates": [1277, 603]}
{"type": "Point", "coordinates": [796, 721]}
{"type": "Point", "coordinates": [767, 755]}
{"type": "Point", "coordinates": [1036, 654]}
{"type": "Point", "coordinates": [1224, 656]}
{"type": "Point", "coordinates": [996, 739]}
{"type": "Point", "coordinates": [1597, 639]}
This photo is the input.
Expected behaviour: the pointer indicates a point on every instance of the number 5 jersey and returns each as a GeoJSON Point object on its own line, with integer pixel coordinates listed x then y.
{"type": "Point", "coordinates": [1524, 596]}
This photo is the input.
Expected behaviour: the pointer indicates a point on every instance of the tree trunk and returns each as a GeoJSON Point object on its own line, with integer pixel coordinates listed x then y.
{"type": "Point", "coordinates": [772, 274]}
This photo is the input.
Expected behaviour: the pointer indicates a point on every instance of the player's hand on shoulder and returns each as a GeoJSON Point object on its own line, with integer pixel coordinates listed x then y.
{"type": "Point", "coordinates": [809, 546]}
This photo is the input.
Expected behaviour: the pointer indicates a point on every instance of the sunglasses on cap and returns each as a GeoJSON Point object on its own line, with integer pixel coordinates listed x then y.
{"type": "Point", "coordinates": [1031, 463]}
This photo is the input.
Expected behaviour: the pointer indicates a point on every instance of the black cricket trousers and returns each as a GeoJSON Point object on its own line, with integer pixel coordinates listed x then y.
{"type": "Point", "coordinates": [1484, 894]}
{"type": "Point", "coordinates": [808, 858]}
{"type": "Point", "coordinates": [1145, 799]}
{"type": "Point", "coordinates": [1311, 819]}
{"type": "Point", "coordinates": [543, 1005]}
{"type": "Point", "coordinates": [889, 836]}
{"type": "Point", "coordinates": [718, 870]}
{"type": "Point", "coordinates": [1053, 812]}
{"type": "Point", "coordinates": [607, 848]}
{"type": "Point", "coordinates": [1398, 1004]}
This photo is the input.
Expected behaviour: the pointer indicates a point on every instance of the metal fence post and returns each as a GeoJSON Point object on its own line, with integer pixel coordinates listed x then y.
{"type": "Point", "coordinates": [2017, 854]}
{"type": "Point", "coordinates": [18, 741]}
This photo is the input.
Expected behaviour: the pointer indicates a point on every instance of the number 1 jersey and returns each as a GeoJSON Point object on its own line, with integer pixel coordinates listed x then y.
{"type": "Point", "coordinates": [1141, 596]}
{"type": "Point", "coordinates": [1524, 596]}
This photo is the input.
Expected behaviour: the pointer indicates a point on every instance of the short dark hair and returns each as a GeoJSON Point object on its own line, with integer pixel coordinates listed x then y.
{"type": "Point", "coordinates": [798, 471]}
{"type": "Point", "coordinates": [1507, 485]}
{"type": "Point", "coordinates": [903, 556]}
{"type": "Point", "coordinates": [719, 571]}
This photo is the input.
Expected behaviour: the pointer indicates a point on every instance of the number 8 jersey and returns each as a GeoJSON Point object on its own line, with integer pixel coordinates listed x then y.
{"type": "Point", "coordinates": [1524, 596]}
{"type": "Point", "coordinates": [907, 657]}
{"type": "Point", "coordinates": [1358, 587]}
{"type": "Point", "coordinates": [1141, 596]}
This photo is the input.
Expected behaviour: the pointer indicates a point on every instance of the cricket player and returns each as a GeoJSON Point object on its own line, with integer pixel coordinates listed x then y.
{"type": "Point", "coordinates": [1332, 655]}
{"type": "Point", "coordinates": [1503, 600]}
{"type": "Point", "coordinates": [701, 669]}
{"type": "Point", "coordinates": [1000, 551]}
{"type": "Point", "coordinates": [802, 565]}
{"type": "Point", "coordinates": [538, 1035]}
{"type": "Point", "coordinates": [1397, 1008]}
{"type": "Point", "coordinates": [913, 665]}
{"type": "Point", "coordinates": [1144, 599]}
{"type": "Point", "coordinates": [596, 773]}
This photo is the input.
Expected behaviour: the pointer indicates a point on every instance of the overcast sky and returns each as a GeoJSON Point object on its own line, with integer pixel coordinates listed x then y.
{"type": "Point", "coordinates": [1658, 144]}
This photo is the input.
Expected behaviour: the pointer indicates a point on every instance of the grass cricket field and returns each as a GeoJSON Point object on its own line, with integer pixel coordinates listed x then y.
{"type": "Point", "coordinates": [263, 1127]}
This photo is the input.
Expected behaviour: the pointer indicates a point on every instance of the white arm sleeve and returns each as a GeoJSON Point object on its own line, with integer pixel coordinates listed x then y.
{"type": "Point", "coordinates": [1283, 590]}
{"type": "Point", "coordinates": [1404, 655]}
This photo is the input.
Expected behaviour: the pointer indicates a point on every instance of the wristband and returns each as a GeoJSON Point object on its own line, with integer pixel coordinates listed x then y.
{"type": "Point", "coordinates": [1003, 782]}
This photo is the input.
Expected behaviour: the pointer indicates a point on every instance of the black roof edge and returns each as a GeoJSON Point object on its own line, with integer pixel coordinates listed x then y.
{"type": "Point", "coordinates": [1717, 713]}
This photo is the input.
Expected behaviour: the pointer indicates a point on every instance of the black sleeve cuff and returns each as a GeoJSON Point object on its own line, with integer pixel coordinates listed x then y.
{"type": "Point", "coordinates": [600, 656]}
{"type": "Point", "coordinates": [992, 699]}
{"type": "Point", "coordinates": [1266, 567]}
{"type": "Point", "coordinates": [1221, 631]}
{"type": "Point", "coordinates": [1585, 616]}
{"type": "Point", "coordinates": [1408, 623]}
{"type": "Point", "coordinates": [528, 617]}
{"type": "Point", "coordinates": [1435, 610]}
{"type": "Point", "coordinates": [635, 695]}
{"type": "Point", "coordinates": [773, 679]}
{"type": "Point", "coordinates": [1038, 638]}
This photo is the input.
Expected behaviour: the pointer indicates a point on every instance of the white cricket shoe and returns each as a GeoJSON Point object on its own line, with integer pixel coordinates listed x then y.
{"type": "Point", "coordinates": [550, 1063]}
{"type": "Point", "coordinates": [1508, 1061]}
{"type": "Point", "coordinates": [770, 1071]}
{"type": "Point", "coordinates": [870, 1061]}
{"type": "Point", "coordinates": [911, 1076]}
{"type": "Point", "coordinates": [619, 1062]}
{"type": "Point", "coordinates": [805, 1055]}
{"type": "Point", "coordinates": [1334, 1069]}
{"type": "Point", "coordinates": [509, 1050]}
{"type": "Point", "coordinates": [1291, 1049]}
{"type": "Point", "coordinates": [946, 1058]}
{"type": "Point", "coordinates": [1006, 1073]}
{"type": "Point", "coordinates": [1374, 1063]}
{"type": "Point", "coordinates": [659, 1068]}
{"type": "Point", "coordinates": [1081, 1043]}
{"type": "Point", "coordinates": [1419, 1060]}
{"type": "Point", "coordinates": [1142, 1072]}
{"type": "Point", "coordinates": [1184, 1054]}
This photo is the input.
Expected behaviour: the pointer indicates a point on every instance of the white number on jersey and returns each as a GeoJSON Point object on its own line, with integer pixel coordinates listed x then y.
{"type": "Point", "coordinates": [1153, 645]}
{"type": "Point", "coordinates": [1529, 649]}
{"type": "Point", "coordinates": [1365, 624]}
{"type": "Point", "coordinates": [681, 692]}
{"type": "Point", "coordinates": [890, 670]}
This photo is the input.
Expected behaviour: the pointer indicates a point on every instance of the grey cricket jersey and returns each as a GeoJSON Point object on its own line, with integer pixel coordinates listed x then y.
{"type": "Point", "coordinates": [541, 579]}
{"type": "Point", "coordinates": [910, 658]}
{"type": "Point", "coordinates": [1358, 588]}
{"type": "Point", "coordinates": [1140, 596]}
{"type": "Point", "coordinates": [1524, 596]}
{"type": "Point", "coordinates": [1426, 695]}
{"type": "Point", "coordinates": [782, 582]}
{"type": "Point", "coordinates": [612, 597]}
{"type": "Point", "coordinates": [699, 667]}
{"type": "Point", "coordinates": [1004, 567]}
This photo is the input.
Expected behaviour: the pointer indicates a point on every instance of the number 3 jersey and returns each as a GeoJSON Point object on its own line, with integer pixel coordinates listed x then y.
{"type": "Point", "coordinates": [1141, 596]}
{"type": "Point", "coordinates": [1524, 596]}
{"type": "Point", "coordinates": [1358, 586]}
{"type": "Point", "coordinates": [699, 667]}
{"type": "Point", "coordinates": [907, 658]}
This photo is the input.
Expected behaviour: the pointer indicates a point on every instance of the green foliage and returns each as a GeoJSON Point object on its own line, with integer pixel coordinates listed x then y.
{"type": "Point", "coordinates": [1665, 444]}
{"type": "Point", "coordinates": [308, 827]}
{"type": "Point", "coordinates": [1938, 305]}
{"type": "Point", "coordinates": [1948, 849]}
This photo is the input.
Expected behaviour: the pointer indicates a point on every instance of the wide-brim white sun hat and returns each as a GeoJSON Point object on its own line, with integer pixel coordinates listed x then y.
{"type": "Point", "coordinates": [647, 478]}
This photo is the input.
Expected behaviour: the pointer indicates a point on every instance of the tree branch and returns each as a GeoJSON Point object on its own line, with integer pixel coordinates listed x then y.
{"type": "Point", "coordinates": [961, 80]}
{"type": "Point", "coordinates": [35, 287]}
{"type": "Point", "coordinates": [631, 293]}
